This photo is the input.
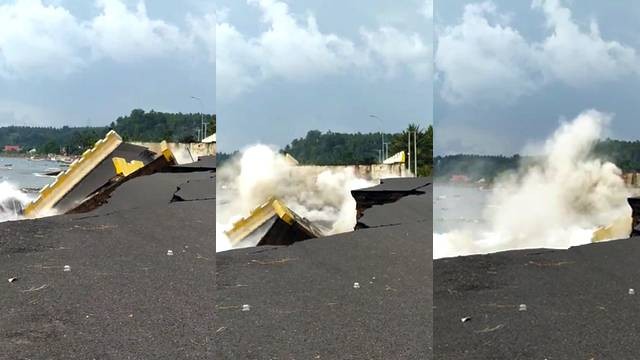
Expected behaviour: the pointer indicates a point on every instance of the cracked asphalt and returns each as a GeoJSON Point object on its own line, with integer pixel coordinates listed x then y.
{"type": "Point", "coordinates": [303, 303]}
{"type": "Point", "coordinates": [124, 297]}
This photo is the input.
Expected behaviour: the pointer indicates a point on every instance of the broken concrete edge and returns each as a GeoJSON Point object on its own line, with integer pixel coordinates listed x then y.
{"type": "Point", "coordinates": [287, 227]}
{"type": "Point", "coordinates": [386, 193]}
{"type": "Point", "coordinates": [101, 195]}
{"type": "Point", "coordinates": [125, 168]}
{"type": "Point", "coordinates": [65, 181]}
{"type": "Point", "coordinates": [300, 227]}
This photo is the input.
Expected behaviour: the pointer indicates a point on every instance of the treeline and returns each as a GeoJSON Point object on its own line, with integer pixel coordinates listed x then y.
{"type": "Point", "coordinates": [155, 126]}
{"type": "Point", "coordinates": [144, 126]}
{"type": "Point", "coordinates": [332, 148]}
{"type": "Point", "coordinates": [475, 167]}
{"type": "Point", "coordinates": [625, 154]}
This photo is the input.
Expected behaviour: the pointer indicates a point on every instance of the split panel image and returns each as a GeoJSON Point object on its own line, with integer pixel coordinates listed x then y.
{"type": "Point", "coordinates": [324, 190]}
{"type": "Point", "coordinates": [536, 161]}
{"type": "Point", "coordinates": [107, 179]}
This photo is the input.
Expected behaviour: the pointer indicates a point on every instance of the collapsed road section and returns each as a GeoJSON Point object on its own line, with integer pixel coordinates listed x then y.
{"type": "Point", "coordinates": [130, 277]}
{"type": "Point", "coordinates": [364, 294]}
{"type": "Point", "coordinates": [272, 223]}
{"type": "Point", "coordinates": [395, 201]}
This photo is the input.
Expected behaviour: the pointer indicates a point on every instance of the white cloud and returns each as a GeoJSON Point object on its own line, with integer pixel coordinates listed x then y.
{"type": "Point", "coordinates": [125, 35]}
{"type": "Point", "coordinates": [578, 58]}
{"type": "Point", "coordinates": [397, 49]}
{"type": "Point", "coordinates": [427, 9]}
{"type": "Point", "coordinates": [235, 59]}
{"type": "Point", "coordinates": [204, 29]}
{"type": "Point", "coordinates": [38, 39]}
{"type": "Point", "coordinates": [484, 59]}
{"type": "Point", "coordinates": [295, 49]}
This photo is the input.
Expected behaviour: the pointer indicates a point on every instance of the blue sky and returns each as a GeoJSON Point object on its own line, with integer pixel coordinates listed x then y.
{"type": "Point", "coordinates": [287, 67]}
{"type": "Point", "coordinates": [72, 62]}
{"type": "Point", "coordinates": [507, 72]}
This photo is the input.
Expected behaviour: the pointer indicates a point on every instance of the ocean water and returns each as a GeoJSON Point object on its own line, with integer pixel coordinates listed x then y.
{"type": "Point", "coordinates": [25, 173]}
{"type": "Point", "coordinates": [457, 207]}
{"type": "Point", "coordinates": [20, 180]}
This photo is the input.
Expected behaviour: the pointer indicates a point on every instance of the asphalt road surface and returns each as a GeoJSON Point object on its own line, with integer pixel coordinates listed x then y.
{"type": "Point", "coordinates": [577, 302]}
{"type": "Point", "coordinates": [302, 302]}
{"type": "Point", "coordinates": [124, 296]}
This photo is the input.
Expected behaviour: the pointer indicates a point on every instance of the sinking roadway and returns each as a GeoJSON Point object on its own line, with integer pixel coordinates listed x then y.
{"type": "Point", "coordinates": [104, 285]}
{"type": "Point", "coordinates": [365, 294]}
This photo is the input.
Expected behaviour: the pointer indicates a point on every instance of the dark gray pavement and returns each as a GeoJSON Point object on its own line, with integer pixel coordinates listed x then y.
{"type": "Point", "coordinates": [124, 297]}
{"type": "Point", "coordinates": [410, 208]}
{"type": "Point", "coordinates": [408, 184]}
{"type": "Point", "coordinates": [577, 304]}
{"type": "Point", "coordinates": [102, 173]}
{"type": "Point", "coordinates": [303, 304]}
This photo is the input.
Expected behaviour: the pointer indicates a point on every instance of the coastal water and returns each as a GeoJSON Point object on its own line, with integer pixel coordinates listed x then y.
{"type": "Point", "coordinates": [457, 207]}
{"type": "Point", "coordinates": [20, 180]}
{"type": "Point", "coordinates": [25, 173]}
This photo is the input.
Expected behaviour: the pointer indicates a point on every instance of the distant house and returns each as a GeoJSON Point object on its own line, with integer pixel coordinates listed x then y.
{"type": "Point", "coordinates": [12, 148]}
{"type": "Point", "coordinates": [460, 179]}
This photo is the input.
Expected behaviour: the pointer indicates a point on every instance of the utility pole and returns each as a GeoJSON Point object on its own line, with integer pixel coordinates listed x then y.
{"type": "Point", "coordinates": [415, 152]}
{"type": "Point", "coordinates": [203, 126]}
{"type": "Point", "coordinates": [409, 150]}
{"type": "Point", "coordinates": [381, 134]}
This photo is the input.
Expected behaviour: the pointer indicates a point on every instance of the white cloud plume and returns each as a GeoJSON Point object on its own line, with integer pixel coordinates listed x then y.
{"type": "Point", "coordinates": [125, 35]}
{"type": "Point", "coordinates": [38, 39]}
{"type": "Point", "coordinates": [295, 49]}
{"type": "Point", "coordinates": [397, 49]}
{"type": "Point", "coordinates": [483, 58]}
{"type": "Point", "coordinates": [427, 9]}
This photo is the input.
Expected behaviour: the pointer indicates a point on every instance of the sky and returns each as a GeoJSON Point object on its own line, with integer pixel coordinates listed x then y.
{"type": "Point", "coordinates": [79, 62]}
{"type": "Point", "coordinates": [286, 67]}
{"type": "Point", "coordinates": [507, 72]}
